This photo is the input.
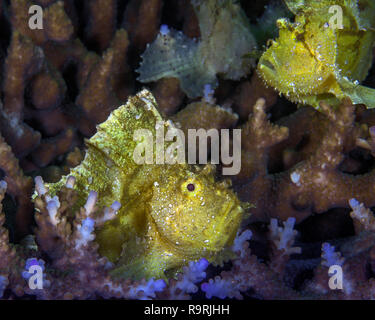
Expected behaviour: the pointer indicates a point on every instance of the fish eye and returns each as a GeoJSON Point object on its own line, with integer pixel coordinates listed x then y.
{"type": "Point", "coordinates": [191, 187]}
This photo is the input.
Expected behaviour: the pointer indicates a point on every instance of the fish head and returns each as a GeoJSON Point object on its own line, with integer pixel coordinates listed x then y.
{"type": "Point", "coordinates": [302, 60]}
{"type": "Point", "coordinates": [195, 214]}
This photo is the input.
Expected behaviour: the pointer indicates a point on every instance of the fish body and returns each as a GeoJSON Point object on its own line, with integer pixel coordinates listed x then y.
{"type": "Point", "coordinates": [316, 59]}
{"type": "Point", "coordinates": [225, 41]}
{"type": "Point", "coordinates": [170, 213]}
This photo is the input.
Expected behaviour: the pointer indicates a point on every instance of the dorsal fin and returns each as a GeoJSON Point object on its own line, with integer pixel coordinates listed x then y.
{"type": "Point", "coordinates": [114, 137]}
{"type": "Point", "coordinates": [109, 161]}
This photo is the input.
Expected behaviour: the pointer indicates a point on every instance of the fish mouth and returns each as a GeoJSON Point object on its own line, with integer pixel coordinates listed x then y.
{"type": "Point", "coordinates": [232, 220]}
{"type": "Point", "coordinates": [232, 212]}
{"type": "Point", "coordinates": [266, 64]}
{"type": "Point", "coordinates": [233, 217]}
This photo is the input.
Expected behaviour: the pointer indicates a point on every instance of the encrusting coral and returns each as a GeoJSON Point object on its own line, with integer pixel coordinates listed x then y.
{"type": "Point", "coordinates": [308, 172]}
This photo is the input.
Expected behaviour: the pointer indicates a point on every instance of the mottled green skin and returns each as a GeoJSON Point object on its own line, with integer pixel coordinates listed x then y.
{"type": "Point", "coordinates": [161, 225]}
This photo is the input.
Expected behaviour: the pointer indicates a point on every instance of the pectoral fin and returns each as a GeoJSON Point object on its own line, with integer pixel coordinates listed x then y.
{"type": "Point", "coordinates": [360, 94]}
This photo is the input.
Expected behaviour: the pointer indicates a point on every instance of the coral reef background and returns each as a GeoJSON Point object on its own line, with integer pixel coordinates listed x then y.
{"type": "Point", "coordinates": [299, 166]}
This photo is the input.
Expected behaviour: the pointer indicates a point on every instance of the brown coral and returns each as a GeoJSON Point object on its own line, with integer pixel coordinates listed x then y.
{"type": "Point", "coordinates": [297, 192]}
{"type": "Point", "coordinates": [65, 237]}
{"type": "Point", "coordinates": [248, 92]}
{"type": "Point", "coordinates": [19, 187]}
{"type": "Point", "coordinates": [58, 83]}
{"type": "Point", "coordinates": [46, 67]}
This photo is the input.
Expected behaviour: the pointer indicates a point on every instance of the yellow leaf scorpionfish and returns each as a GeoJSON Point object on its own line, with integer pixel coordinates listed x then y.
{"type": "Point", "coordinates": [324, 54]}
{"type": "Point", "coordinates": [170, 213]}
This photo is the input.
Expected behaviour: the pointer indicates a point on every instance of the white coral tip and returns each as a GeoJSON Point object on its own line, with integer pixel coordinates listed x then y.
{"type": "Point", "coordinates": [70, 182]}
{"type": "Point", "coordinates": [91, 201]}
{"type": "Point", "coordinates": [116, 205]}
{"type": "Point", "coordinates": [3, 185]}
{"type": "Point", "coordinates": [39, 185]}
{"type": "Point", "coordinates": [164, 30]}
{"type": "Point", "coordinates": [52, 207]}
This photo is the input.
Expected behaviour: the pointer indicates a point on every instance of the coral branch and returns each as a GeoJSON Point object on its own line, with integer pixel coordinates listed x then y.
{"type": "Point", "coordinates": [19, 187]}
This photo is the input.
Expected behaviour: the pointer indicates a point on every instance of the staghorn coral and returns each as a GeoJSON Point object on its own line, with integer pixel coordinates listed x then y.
{"type": "Point", "coordinates": [67, 238]}
{"type": "Point", "coordinates": [296, 192]}
{"type": "Point", "coordinates": [368, 143]}
{"type": "Point", "coordinates": [206, 116]}
{"type": "Point", "coordinates": [248, 272]}
{"type": "Point", "coordinates": [142, 19]}
{"type": "Point", "coordinates": [58, 27]}
{"type": "Point", "coordinates": [57, 84]}
{"type": "Point", "coordinates": [69, 242]}
{"type": "Point", "coordinates": [102, 25]}
{"type": "Point", "coordinates": [41, 117]}
{"type": "Point", "coordinates": [36, 88]}
{"type": "Point", "coordinates": [20, 136]}
{"type": "Point", "coordinates": [168, 95]}
{"type": "Point", "coordinates": [9, 259]}
{"type": "Point", "coordinates": [19, 187]}
{"type": "Point", "coordinates": [248, 92]}
{"type": "Point", "coordinates": [353, 256]}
